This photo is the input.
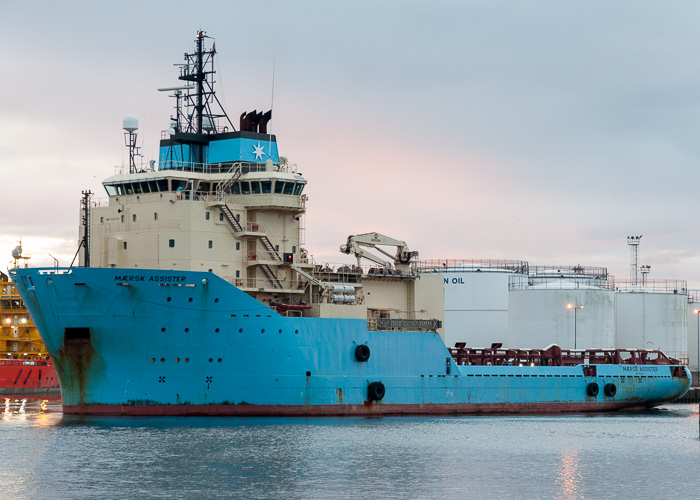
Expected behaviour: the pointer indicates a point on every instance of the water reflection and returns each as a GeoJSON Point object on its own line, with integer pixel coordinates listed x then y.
{"type": "Point", "coordinates": [19, 408]}
{"type": "Point", "coordinates": [568, 476]}
{"type": "Point", "coordinates": [564, 457]}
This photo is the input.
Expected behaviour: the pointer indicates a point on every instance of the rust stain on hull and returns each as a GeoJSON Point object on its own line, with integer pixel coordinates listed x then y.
{"type": "Point", "coordinates": [349, 410]}
{"type": "Point", "coordinates": [73, 361]}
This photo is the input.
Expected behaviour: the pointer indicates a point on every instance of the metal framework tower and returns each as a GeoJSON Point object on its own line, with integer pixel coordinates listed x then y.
{"type": "Point", "coordinates": [633, 243]}
{"type": "Point", "coordinates": [645, 272]}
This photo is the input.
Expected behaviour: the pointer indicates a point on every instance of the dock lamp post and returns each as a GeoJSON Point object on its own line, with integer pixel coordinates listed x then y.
{"type": "Point", "coordinates": [575, 308]}
{"type": "Point", "coordinates": [696, 312]}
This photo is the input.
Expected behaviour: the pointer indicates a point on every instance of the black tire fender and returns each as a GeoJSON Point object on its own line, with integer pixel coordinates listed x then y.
{"type": "Point", "coordinates": [362, 353]}
{"type": "Point", "coordinates": [375, 391]}
{"type": "Point", "coordinates": [592, 389]}
{"type": "Point", "coordinates": [610, 390]}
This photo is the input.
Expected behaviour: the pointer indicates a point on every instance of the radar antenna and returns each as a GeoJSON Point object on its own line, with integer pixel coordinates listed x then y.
{"type": "Point", "coordinates": [198, 70]}
{"type": "Point", "coordinates": [18, 257]}
{"type": "Point", "coordinates": [131, 125]}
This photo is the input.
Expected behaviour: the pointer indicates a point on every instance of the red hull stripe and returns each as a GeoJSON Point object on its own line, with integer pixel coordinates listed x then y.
{"type": "Point", "coordinates": [368, 409]}
{"type": "Point", "coordinates": [18, 377]}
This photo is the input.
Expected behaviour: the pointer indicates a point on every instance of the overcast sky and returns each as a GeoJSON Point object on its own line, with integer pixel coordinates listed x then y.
{"type": "Point", "coordinates": [545, 131]}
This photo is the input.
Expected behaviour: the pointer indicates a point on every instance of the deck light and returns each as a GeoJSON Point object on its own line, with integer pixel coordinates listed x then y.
{"type": "Point", "coordinates": [575, 308]}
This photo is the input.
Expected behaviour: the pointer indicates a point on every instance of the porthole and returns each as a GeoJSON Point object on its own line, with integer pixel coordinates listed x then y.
{"type": "Point", "coordinates": [280, 330]}
{"type": "Point", "coordinates": [219, 360]}
{"type": "Point", "coordinates": [162, 360]}
{"type": "Point", "coordinates": [211, 360]}
{"type": "Point", "coordinates": [169, 299]}
{"type": "Point", "coordinates": [162, 329]}
{"type": "Point", "coordinates": [217, 330]}
{"type": "Point", "coordinates": [190, 299]}
{"type": "Point", "coordinates": [153, 360]}
{"type": "Point", "coordinates": [187, 330]}
{"type": "Point", "coordinates": [216, 300]}
{"type": "Point", "coordinates": [177, 360]}
{"type": "Point", "coordinates": [262, 331]}
{"type": "Point", "coordinates": [187, 360]}
{"type": "Point", "coordinates": [296, 332]}
{"type": "Point", "coordinates": [240, 330]}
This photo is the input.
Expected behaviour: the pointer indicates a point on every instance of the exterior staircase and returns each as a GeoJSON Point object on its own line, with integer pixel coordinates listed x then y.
{"type": "Point", "coordinates": [271, 276]}
{"type": "Point", "coordinates": [270, 248]}
{"type": "Point", "coordinates": [235, 224]}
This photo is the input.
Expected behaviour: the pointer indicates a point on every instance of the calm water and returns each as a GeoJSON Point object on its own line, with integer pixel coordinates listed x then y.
{"type": "Point", "coordinates": [46, 455]}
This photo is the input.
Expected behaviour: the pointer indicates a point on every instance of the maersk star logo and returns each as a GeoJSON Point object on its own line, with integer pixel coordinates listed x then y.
{"type": "Point", "coordinates": [258, 151]}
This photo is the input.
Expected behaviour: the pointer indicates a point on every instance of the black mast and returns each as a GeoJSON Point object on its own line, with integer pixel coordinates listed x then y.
{"type": "Point", "coordinates": [199, 75]}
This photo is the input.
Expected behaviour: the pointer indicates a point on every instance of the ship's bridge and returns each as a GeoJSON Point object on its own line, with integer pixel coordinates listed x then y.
{"type": "Point", "coordinates": [252, 184]}
{"type": "Point", "coordinates": [194, 150]}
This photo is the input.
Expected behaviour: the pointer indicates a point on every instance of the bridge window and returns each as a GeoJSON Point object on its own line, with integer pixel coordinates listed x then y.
{"type": "Point", "coordinates": [162, 185]}
{"type": "Point", "coordinates": [245, 187]}
{"type": "Point", "coordinates": [179, 183]}
{"type": "Point", "coordinates": [298, 188]}
{"type": "Point", "coordinates": [266, 186]}
{"type": "Point", "coordinates": [288, 188]}
{"type": "Point", "coordinates": [111, 190]}
{"type": "Point", "coordinates": [255, 187]}
{"type": "Point", "coordinates": [279, 185]}
{"type": "Point", "coordinates": [236, 188]}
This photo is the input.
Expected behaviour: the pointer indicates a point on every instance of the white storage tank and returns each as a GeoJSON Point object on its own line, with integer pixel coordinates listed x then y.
{"type": "Point", "coordinates": [653, 316]}
{"type": "Point", "coordinates": [476, 299]}
{"type": "Point", "coordinates": [573, 314]}
{"type": "Point", "coordinates": [693, 331]}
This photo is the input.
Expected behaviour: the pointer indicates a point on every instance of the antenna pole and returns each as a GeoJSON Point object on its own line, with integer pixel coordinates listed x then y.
{"type": "Point", "coordinates": [272, 98]}
{"type": "Point", "coordinates": [85, 201]}
{"type": "Point", "coordinates": [200, 81]}
{"type": "Point", "coordinates": [272, 102]}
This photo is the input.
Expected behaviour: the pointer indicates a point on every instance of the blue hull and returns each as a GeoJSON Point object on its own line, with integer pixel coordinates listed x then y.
{"type": "Point", "coordinates": [150, 342]}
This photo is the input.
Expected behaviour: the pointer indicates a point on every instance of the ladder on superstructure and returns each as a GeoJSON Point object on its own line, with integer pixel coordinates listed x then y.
{"type": "Point", "coordinates": [225, 187]}
{"type": "Point", "coordinates": [271, 276]}
{"type": "Point", "coordinates": [270, 248]}
{"type": "Point", "coordinates": [235, 224]}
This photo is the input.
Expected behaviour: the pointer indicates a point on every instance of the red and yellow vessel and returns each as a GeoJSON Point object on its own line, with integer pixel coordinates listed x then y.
{"type": "Point", "coordinates": [25, 366]}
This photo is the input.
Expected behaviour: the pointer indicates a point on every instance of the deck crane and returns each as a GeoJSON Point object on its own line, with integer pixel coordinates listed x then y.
{"type": "Point", "coordinates": [401, 259]}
